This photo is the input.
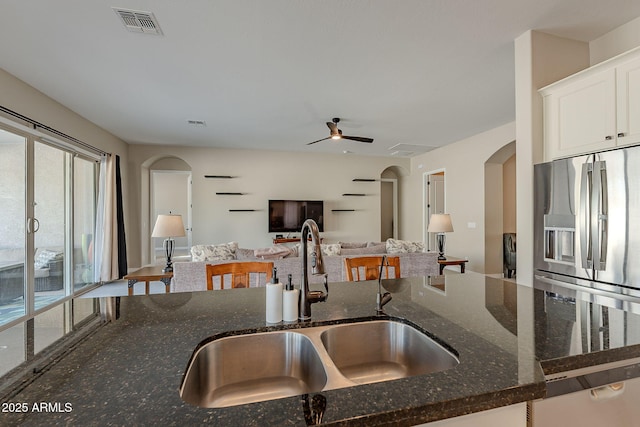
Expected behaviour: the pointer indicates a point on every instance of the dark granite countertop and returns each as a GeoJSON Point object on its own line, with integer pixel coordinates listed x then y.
{"type": "Point", "coordinates": [129, 371]}
{"type": "Point", "coordinates": [578, 327]}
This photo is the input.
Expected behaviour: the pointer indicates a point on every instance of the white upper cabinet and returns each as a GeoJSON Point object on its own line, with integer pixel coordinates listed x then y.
{"type": "Point", "coordinates": [628, 82]}
{"type": "Point", "coordinates": [593, 110]}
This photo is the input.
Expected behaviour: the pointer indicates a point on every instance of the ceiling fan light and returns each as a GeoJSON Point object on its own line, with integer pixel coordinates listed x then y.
{"type": "Point", "coordinates": [336, 136]}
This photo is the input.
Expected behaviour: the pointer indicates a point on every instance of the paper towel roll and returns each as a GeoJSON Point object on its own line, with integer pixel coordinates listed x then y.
{"type": "Point", "coordinates": [290, 305]}
{"type": "Point", "coordinates": [274, 302]}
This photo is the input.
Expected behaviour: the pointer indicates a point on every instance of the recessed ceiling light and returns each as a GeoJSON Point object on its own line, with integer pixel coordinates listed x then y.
{"type": "Point", "coordinates": [347, 152]}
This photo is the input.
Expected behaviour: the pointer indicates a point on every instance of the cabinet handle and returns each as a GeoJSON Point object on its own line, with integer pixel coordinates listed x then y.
{"type": "Point", "coordinates": [621, 134]}
{"type": "Point", "coordinates": [608, 137]}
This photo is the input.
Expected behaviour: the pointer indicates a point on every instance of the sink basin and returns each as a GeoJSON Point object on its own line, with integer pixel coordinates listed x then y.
{"type": "Point", "coordinates": [375, 351]}
{"type": "Point", "coordinates": [250, 368]}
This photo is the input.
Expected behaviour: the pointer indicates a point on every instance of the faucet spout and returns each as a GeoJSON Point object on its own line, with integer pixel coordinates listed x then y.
{"type": "Point", "coordinates": [308, 297]}
{"type": "Point", "coordinates": [381, 301]}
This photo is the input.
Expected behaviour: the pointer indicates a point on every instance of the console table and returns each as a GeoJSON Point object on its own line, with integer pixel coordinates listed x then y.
{"type": "Point", "coordinates": [452, 261]}
{"type": "Point", "coordinates": [152, 273]}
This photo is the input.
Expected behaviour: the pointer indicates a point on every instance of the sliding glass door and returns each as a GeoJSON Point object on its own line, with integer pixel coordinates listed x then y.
{"type": "Point", "coordinates": [48, 198]}
{"type": "Point", "coordinates": [84, 220]}
{"type": "Point", "coordinates": [12, 225]}
{"type": "Point", "coordinates": [49, 224]}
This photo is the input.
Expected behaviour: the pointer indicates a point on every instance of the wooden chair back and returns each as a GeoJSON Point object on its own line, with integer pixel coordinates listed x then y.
{"type": "Point", "coordinates": [370, 266]}
{"type": "Point", "coordinates": [240, 273]}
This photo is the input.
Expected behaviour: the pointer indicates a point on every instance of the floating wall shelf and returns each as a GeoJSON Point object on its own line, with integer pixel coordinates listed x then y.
{"type": "Point", "coordinates": [364, 180]}
{"type": "Point", "coordinates": [354, 194]}
{"type": "Point", "coordinates": [343, 210]}
{"type": "Point", "coordinates": [219, 176]}
{"type": "Point", "coordinates": [242, 210]}
{"type": "Point", "coordinates": [230, 194]}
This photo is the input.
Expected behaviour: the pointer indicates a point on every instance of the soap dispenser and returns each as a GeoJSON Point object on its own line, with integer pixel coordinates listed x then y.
{"type": "Point", "coordinates": [274, 299]}
{"type": "Point", "coordinates": [290, 302]}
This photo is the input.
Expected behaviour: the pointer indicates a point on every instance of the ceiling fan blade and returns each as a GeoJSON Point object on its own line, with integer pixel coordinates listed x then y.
{"type": "Point", "coordinates": [319, 140]}
{"type": "Point", "coordinates": [333, 127]}
{"type": "Point", "coordinates": [358, 138]}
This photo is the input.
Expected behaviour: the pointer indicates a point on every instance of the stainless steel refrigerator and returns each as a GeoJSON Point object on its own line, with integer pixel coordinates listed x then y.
{"type": "Point", "coordinates": [587, 221]}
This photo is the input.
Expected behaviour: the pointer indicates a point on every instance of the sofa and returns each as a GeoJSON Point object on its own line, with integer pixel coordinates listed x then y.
{"type": "Point", "coordinates": [48, 272]}
{"type": "Point", "coordinates": [191, 276]}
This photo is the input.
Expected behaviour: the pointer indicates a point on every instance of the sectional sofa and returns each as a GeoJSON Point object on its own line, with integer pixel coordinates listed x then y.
{"type": "Point", "coordinates": [191, 276]}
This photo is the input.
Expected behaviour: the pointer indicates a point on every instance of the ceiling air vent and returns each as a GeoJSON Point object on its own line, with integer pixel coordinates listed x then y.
{"type": "Point", "coordinates": [139, 22]}
{"type": "Point", "coordinates": [199, 123]}
{"type": "Point", "coordinates": [408, 150]}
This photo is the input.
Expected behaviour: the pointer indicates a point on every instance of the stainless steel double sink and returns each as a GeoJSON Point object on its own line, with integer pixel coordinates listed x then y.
{"type": "Point", "coordinates": [249, 368]}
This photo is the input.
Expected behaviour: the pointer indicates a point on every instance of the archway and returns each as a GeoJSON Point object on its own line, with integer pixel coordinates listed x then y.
{"type": "Point", "coordinates": [389, 197]}
{"type": "Point", "coordinates": [165, 187]}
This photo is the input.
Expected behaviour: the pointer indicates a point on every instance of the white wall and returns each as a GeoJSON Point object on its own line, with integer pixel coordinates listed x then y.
{"type": "Point", "coordinates": [540, 59]}
{"type": "Point", "coordinates": [26, 100]}
{"type": "Point", "coordinates": [464, 164]}
{"type": "Point", "coordinates": [18, 96]}
{"type": "Point", "coordinates": [509, 195]}
{"type": "Point", "coordinates": [620, 40]}
{"type": "Point", "coordinates": [262, 175]}
{"type": "Point", "coordinates": [494, 217]}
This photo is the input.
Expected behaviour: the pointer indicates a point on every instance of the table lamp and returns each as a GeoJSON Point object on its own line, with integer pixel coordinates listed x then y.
{"type": "Point", "coordinates": [168, 226]}
{"type": "Point", "coordinates": [440, 223]}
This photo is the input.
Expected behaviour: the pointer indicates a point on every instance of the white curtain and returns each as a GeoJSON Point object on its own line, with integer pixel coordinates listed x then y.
{"type": "Point", "coordinates": [106, 241]}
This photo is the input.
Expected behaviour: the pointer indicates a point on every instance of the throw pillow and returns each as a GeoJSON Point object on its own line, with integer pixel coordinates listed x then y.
{"type": "Point", "coordinates": [379, 248]}
{"type": "Point", "coordinates": [44, 257]}
{"type": "Point", "coordinates": [330, 249]}
{"type": "Point", "coordinates": [326, 249]}
{"type": "Point", "coordinates": [225, 251]}
{"type": "Point", "coordinates": [274, 252]}
{"type": "Point", "coordinates": [403, 246]}
{"type": "Point", "coordinates": [352, 245]}
{"type": "Point", "coordinates": [369, 244]}
{"type": "Point", "coordinates": [244, 254]}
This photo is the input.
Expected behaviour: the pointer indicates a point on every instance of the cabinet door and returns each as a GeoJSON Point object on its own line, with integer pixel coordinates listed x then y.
{"type": "Point", "coordinates": [581, 116]}
{"type": "Point", "coordinates": [604, 407]}
{"type": "Point", "coordinates": [628, 88]}
{"type": "Point", "coordinates": [512, 416]}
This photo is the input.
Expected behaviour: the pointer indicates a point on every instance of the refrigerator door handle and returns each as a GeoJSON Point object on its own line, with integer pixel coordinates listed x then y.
{"type": "Point", "coordinates": [586, 182]}
{"type": "Point", "coordinates": [600, 220]}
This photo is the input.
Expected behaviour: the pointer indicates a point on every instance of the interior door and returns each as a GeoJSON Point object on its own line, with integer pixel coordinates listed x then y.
{"type": "Point", "coordinates": [435, 202]}
{"type": "Point", "coordinates": [171, 194]}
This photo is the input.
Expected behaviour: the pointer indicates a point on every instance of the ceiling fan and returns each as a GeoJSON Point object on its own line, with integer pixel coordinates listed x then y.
{"type": "Point", "coordinates": [337, 133]}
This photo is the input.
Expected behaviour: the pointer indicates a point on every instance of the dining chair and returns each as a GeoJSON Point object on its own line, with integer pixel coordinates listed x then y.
{"type": "Point", "coordinates": [370, 267]}
{"type": "Point", "coordinates": [240, 273]}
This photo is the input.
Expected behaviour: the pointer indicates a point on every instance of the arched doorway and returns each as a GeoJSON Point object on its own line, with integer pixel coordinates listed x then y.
{"type": "Point", "coordinates": [166, 188]}
{"type": "Point", "coordinates": [389, 203]}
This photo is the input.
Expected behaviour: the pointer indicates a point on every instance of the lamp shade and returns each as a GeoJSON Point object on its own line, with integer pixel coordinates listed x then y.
{"type": "Point", "coordinates": [440, 223]}
{"type": "Point", "coordinates": [168, 226]}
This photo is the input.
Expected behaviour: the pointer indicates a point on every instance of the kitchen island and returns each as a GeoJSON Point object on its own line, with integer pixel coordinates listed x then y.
{"type": "Point", "coordinates": [129, 371]}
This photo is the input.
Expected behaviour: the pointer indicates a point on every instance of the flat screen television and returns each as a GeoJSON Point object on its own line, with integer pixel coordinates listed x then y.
{"type": "Point", "coordinates": [289, 215]}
